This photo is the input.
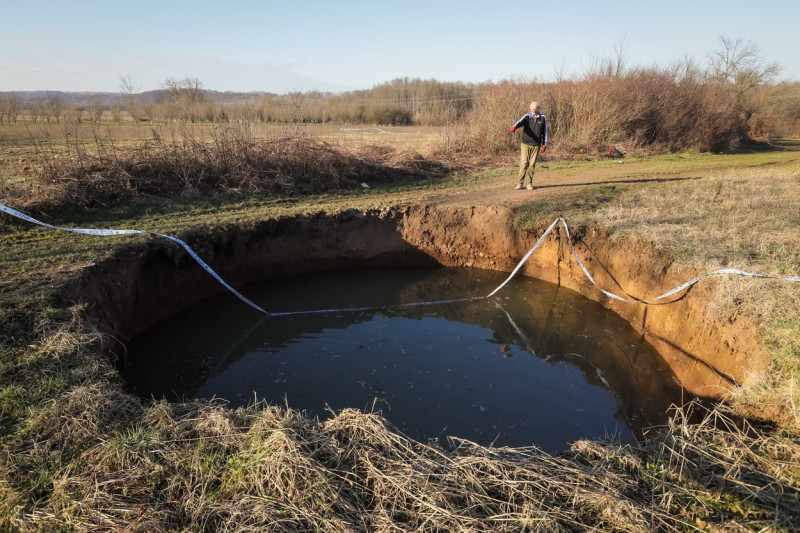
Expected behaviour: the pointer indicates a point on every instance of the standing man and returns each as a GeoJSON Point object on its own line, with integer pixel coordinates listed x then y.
{"type": "Point", "coordinates": [534, 135]}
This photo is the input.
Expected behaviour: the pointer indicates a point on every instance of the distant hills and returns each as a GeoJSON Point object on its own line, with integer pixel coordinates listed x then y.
{"type": "Point", "coordinates": [82, 99]}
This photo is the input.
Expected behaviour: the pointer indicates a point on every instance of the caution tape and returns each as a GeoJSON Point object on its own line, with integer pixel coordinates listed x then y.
{"type": "Point", "coordinates": [731, 271]}
{"type": "Point", "coordinates": [193, 255]}
{"type": "Point", "coordinates": [577, 258]}
{"type": "Point", "coordinates": [114, 232]}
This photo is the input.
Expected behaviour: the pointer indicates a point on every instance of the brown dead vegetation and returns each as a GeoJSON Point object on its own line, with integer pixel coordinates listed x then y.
{"type": "Point", "coordinates": [640, 110]}
{"type": "Point", "coordinates": [106, 462]}
{"type": "Point", "coordinates": [85, 455]}
{"type": "Point", "coordinates": [232, 161]}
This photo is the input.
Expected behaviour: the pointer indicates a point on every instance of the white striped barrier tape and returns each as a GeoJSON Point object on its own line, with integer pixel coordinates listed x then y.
{"type": "Point", "coordinates": [686, 285]}
{"type": "Point", "coordinates": [111, 232]}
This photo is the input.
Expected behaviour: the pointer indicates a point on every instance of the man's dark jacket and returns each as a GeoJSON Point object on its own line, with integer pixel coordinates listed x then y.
{"type": "Point", "coordinates": [534, 129]}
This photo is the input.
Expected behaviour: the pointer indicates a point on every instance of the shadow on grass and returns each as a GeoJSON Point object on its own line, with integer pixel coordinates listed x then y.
{"type": "Point", "coordinates": [617, 182]}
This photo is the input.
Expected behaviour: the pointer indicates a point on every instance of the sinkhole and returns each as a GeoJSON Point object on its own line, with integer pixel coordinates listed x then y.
{"type": "Point", "coordinates": [536, 364]}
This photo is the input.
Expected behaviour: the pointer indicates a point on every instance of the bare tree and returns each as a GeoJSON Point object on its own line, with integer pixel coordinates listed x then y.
{"type": "Point", "coordinates": [37, 110]}
{"type": "Point", "coordinates": [297, 106]}
{"type": "Point", "coordinates": [740, 63]}
{"type": "Point", "coordinates": [130, 97]}
{"type": "Point", "coordinates": [95, 110]}
{"type": "Point", "coordinates": [446, 115]}
{"type": "Point", "coordinates": [185, 97]}
{"type": "Point", "coordinates": [73, 115]}
{"type": "Point", "coordinates": [612, 67]}
{"type": "Point", "coordinates": [116, 113]}
{"type": "Point", "coordinates": [57, 107]}
{"type": "Point", "coordinates": [739, 66]}
{"type": "Point", "coordinates": [620, 64]}
{"type": "Point", "coordinates": [151, 110]}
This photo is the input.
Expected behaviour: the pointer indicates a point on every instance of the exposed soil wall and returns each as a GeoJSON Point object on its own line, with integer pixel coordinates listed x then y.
{"type": "Point", "coordinates": [142, 285]}
{"type": "Point", "coordinates": [709, 352]}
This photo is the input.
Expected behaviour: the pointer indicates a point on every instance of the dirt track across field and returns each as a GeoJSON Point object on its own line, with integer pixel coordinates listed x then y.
{"type": "Point", "coordinates": [561, 185]}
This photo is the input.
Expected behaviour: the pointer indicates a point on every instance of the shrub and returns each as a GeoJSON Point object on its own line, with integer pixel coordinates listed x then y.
{"type": "Point", "coordinates": [233, 160]}
{"type": "Point", "coordinates": [675, 108]}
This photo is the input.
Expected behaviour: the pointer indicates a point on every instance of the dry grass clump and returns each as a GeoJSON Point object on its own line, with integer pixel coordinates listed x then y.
{"type": "Point", "coordinates": [402, 158]}
{"type": "Point", "coordinates": [718, 470]}
{"type": "Point", "coordinates": [739, 218]}
{"type": "Point", "coordinates": [203, 467]}
{"type": "Point", "coordinates": [230, 161]}
{"type": "Point", "coordinates": [84, 455]}
{"type": "Point", "coordinates": [775, 394]}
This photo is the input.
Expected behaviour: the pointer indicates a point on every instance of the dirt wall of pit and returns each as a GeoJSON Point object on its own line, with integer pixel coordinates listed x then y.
{"type": "Point", "coordinates": [711, 351]}
{"type": "Point", "coordinates": [140, 286]}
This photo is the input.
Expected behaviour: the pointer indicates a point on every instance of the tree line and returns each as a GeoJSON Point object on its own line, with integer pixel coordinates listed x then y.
{"type": "Point", "coordinates": [714, 106]}
{"type": "Point", "coordinates": [402, 101]}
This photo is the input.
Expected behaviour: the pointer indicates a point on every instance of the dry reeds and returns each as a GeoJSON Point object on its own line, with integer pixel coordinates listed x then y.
{"type": "Point", "coordinates": [231, 161]}
{"type": "Point", "coordinates": [665, 109]}
{"type": "Point", "coordinates": [84, 455]}
{"type": "Point", "coordinates": [201, 466]}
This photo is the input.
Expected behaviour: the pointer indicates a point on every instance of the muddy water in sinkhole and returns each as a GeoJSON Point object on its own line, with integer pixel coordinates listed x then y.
{"type": "Point", "coordinates": [535, 364]}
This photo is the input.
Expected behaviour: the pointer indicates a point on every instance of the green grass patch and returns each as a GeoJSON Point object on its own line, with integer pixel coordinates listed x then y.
{"type": "Point", "coordinates": [583, 202]}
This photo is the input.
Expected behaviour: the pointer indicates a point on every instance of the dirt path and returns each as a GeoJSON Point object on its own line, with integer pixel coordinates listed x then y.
{"type": "Point", "coordinates": [561, 185]}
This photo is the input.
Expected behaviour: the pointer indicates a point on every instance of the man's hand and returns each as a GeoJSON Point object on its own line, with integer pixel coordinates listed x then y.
{"type": "Point", "coordinates": [544, 149]}
{"type": "Point", "coordinates": [511, 129]}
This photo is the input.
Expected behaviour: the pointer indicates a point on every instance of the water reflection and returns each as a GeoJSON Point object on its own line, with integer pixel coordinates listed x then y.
{"type": "Point", "coordinates": [536, 364]}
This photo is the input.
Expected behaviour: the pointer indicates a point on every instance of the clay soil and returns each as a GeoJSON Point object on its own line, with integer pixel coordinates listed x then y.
{"type": "Point", "coordinates": [711, 352]}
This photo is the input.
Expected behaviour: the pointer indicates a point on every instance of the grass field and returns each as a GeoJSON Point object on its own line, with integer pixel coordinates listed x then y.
{"type": "Point", "coordinates": [80, 454]}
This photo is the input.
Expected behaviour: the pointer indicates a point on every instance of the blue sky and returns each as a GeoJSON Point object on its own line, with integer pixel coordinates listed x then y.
{"type": "Point", "coordinates": [282, 46]}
